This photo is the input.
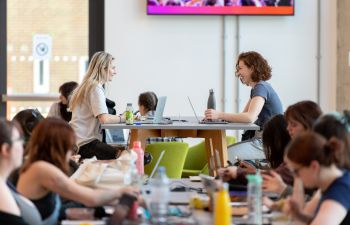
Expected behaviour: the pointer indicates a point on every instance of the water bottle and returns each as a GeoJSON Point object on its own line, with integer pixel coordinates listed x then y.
{"type": "Point", "coordinates": [129, 114]}
{"type": "Point", "coordinates": [254, 199]}
{"type": "Point", "coordinates": [140, 156]}
{"type": "Point", "coordinates": [132, 176]}
{"type": "Point", "coordinates": [222, 208]}
{"type": "Point", "coordinates": [159, 197]}
{"type": "Point", "coordinates": [211, 100]}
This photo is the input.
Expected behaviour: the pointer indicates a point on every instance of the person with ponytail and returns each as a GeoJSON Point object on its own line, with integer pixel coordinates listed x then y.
{"type": "Point", "coordinates": [314, 160]}
{"type": "Point", "coordinates": [336, 125]}
{"type": "Point", "coordinates": [89, 110]}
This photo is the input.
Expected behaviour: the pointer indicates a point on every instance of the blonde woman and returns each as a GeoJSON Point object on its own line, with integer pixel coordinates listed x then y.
{"type": "Point", "coordinates": [89, 110]}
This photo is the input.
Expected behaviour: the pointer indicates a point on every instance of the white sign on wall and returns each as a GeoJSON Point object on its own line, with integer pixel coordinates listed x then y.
{"type": "Point", "coordinates": [42, 46]}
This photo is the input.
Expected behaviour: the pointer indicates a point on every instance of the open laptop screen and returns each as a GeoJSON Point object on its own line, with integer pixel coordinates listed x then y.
{"type": "Point", "coordinates": [205, 121]}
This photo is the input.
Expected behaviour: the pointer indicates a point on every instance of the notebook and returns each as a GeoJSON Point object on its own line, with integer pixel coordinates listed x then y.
{"type": "Point", "coordinates": [158, 115]}
{"type": "Point", "coordinates": [205, 121]}
{"type": "Point", "coordinates": [155, 168]}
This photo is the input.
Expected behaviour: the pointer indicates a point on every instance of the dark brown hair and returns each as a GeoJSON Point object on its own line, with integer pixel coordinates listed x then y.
{"type": "Point", "coordinates": [310, 146]}
{"type": "Point", "coordinates": [6, 129]}
{"type": "Point", "coordinates": [50, 141]}
{"type": "Point", "coordinates": [66, 90]}
{"type": "Point", "coordinates": [253, 60]}
{"type": "Point", "coordinates": [332, 125]}
{"type": "Point", "coordinates": [148, 100]}
{"type": "Point", "coordinates": [275, 139]}
{"type": "Point", "coordinates": [304, 112]}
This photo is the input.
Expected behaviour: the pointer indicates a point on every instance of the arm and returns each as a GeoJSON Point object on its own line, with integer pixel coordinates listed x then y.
{"type": "Point", "coordinates": [311, 206]}
{"type": "Point", "coordinates": [53, 179]}
{"type": "Point", "coordinates": [253, 109]}
{"type": "Point", "coordinates": [247, 106]}
{"type": "Point", "coordinates": [331, 212]}
{"type": "Point", "coordinates": [108, 118]}
{"type": "Point", "coordinates": [99, 107]}
{"type": "Point", "coordinates": [54, 111]}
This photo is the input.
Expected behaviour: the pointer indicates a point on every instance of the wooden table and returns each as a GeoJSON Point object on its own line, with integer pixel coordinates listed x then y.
{"type": "Point", "coordinates": [214, 135]}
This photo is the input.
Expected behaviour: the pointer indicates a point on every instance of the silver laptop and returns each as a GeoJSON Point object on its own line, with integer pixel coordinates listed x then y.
{"type": "Point", "coordinates": [205, 121]}
{"type": "Point", "coordinates": [158, 115]}
{"type": "Point", "coordinates": [155, 168]}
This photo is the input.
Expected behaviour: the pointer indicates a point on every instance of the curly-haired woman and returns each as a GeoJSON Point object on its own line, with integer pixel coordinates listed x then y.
{"type": "Point", "coordinates": [253, 70]}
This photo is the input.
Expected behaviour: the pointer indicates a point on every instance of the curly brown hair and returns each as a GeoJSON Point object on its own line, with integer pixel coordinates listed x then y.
{"type": "Point", "coordinates": [51, 140]}
{"type": "Point", "coordinates": [253, 60]}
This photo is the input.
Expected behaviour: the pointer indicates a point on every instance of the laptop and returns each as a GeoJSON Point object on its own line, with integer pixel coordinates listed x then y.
{"type": "Point", "coordinates": [205, 121]}
{"type": "Point", "coordinates": [158, 115]}
{"type": "Point", "coordinates": [155, 168]}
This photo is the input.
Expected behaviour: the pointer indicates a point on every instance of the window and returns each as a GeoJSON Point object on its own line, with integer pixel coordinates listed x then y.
{"type": "Point", "coordinates": [41, 71]}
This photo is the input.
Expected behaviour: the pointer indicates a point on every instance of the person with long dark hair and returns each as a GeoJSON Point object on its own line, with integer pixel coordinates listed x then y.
{"type": "Point", "coordinates": [275, 139]}
{"type": "Point", "coordinates": [60, 109]}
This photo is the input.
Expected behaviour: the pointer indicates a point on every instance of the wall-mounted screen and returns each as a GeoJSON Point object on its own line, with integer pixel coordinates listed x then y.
{"type": "Point", "coordinates": [220, 7]}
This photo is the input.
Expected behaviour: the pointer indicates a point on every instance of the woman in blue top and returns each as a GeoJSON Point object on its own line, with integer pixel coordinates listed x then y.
{"type": "Point", "coordinates": [314, 160]}
{"type": "Point", "coordinates": [253, 70]}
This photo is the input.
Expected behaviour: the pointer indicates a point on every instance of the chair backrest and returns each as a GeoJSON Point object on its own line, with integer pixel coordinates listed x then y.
{"type": "Point", "coordinates": [173, 160]}
{"type": "Point", "coordinates": [197, 155]}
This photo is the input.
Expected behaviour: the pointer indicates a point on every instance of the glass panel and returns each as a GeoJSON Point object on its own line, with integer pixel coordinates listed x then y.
{"type": "Point", "coordinates": [66, 23]}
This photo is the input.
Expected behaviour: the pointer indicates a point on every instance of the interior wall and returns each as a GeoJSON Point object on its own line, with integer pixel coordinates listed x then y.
{"type": "Point", "coordinates": [180, 56]}
{"type": "Point", "coordinates": [289, 45]}
{"type": "Point", "coordinates": [343, 55]}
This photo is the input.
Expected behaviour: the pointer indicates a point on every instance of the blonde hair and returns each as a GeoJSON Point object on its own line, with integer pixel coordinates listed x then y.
{"type": "Point", "coordinates": [97, 73]}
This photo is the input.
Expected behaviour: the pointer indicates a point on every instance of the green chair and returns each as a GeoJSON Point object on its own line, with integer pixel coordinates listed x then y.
{"type": "Point", "coordinates": [173, 159]}
{"type": "Point", "coordinates": [196, 159]}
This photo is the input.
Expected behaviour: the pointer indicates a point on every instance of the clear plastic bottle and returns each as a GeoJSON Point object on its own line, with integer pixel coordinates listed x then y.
{"type": "Point", "coordinates": [140, 156]}
{"type": "Point", "coordinates": [135, 178]}
{"type": "Point", "coordinates": [132, 176]}
{"type": "Point", "coordinates": [159, 197]}
{"type": "Point", "coordinates": [129, 114]}
{"type": "Point", "coordinates": [254, 199]}
{"type": "Point", "coordinates": [211, 100]}
{"type": "Point", "coordinates": [222, 208]}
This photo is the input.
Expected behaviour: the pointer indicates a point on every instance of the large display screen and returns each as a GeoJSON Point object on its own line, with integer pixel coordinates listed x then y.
{"type": "Point", "coordinates": [220, 7]}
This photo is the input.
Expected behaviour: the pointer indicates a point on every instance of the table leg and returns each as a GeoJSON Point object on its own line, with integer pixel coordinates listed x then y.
{"type": "Point", "coordinates": [215, 140]}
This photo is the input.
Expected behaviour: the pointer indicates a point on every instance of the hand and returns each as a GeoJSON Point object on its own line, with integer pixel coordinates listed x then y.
{"type": "Point", "coordinates": [129, 190]}
{"type": "Point", "coordinates": [211, 114]}
{"type": "Point", "coordinates": [274, 205]}
{"type": "Point", "coordinates": [228, 173]}
{"type": "Point", "coordinates": [249, 167]}
{"type": "Point", "coordinates": [75, 158]}
{"type": "Point", "coordinates": [273, 183]}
